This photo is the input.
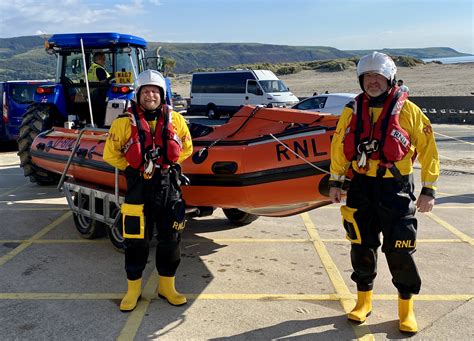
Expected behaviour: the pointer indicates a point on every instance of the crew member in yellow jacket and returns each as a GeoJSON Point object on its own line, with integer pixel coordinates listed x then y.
{"type": "Point", "coordinates": [378, 135]}
{"type": "Point", "coordinates": [148, 143]}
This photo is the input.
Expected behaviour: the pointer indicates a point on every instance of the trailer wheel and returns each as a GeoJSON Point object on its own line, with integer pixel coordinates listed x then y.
{"type": "Point", "coordinates": [37, 118]}
{"type": "Point", "coordinates": [88, 228]}
{"type": "Point", "coordinates": [212, 113]}
{"type": "Point", "coordinates": [238, 217]}
{"type": "Point", "coordinates": [114, 232]}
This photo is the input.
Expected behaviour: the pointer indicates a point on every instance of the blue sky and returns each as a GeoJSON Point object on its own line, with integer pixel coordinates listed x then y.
{"type": "Point", "coordinates": [346, 25]}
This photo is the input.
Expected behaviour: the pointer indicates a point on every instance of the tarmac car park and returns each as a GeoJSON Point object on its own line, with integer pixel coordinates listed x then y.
{"type": "Point", "coordinates": [274, 278]}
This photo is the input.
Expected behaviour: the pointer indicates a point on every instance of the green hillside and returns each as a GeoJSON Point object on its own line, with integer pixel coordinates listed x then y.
{"type": "Point", "coordinates": [25, 58]}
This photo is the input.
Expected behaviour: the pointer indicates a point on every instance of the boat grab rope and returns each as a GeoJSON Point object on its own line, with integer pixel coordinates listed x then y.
{"type": "Point", "coordinates": [251, 115]}
{"type": "Point", "coordinates": [301, 157]}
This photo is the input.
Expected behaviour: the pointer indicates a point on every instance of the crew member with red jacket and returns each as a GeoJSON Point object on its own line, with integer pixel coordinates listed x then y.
{"type": "Point", "coordinates": [148, 143]}
{"type": "Point", "coordinates": [377, 135]}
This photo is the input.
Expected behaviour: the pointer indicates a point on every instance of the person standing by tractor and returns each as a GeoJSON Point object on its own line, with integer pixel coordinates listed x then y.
{"type": "Point", "coordinates": [377, 135]}
{"type": "Point", "coordinates": [148, 143]}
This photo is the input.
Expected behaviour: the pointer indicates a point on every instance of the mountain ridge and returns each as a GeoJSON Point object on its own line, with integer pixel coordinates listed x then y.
{"type": "Point", "coordinates": [25, 58]}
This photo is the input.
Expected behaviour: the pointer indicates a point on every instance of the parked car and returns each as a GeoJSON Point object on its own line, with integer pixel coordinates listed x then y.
{"type": "Point", "coordinates": [15, 98]}
{"type": "Point", "coordinates": [330, 103]}
{"type": "Point", "coordinates": [180, 104]}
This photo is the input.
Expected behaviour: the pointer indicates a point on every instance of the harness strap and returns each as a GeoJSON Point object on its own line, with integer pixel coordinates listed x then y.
{"type": "Point", "coordinates": [384, 125]}
{"type": "Point", "coordinates": [359, 124]}
{"type": "Point", "coordinates": [141, 132]}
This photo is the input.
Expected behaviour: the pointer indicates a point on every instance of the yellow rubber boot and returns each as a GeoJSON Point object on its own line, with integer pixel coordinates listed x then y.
{"type": "Point", "coordinates": [363, 307]}
{"type": "Point", "coordinates": [407, 316]}
{"type": "Point", "coordinates": [134, 292]}
{"type": "Point", "coordinates": [166, 290]}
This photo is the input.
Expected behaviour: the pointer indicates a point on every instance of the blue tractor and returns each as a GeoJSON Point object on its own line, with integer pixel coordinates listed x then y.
{"type": "Point", "coordinates": [74, 101]}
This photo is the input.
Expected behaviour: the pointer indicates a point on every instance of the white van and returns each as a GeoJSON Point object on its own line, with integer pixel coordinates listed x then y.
{"type": "Point", "coordinates": [217, 93]}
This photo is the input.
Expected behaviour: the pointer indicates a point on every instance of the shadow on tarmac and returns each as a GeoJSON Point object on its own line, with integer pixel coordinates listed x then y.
{"type": "Point", "coordinates": [458, 199]}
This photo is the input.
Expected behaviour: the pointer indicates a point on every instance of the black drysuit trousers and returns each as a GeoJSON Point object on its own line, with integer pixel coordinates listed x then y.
{"type": "Point", "coordinates": [375, 205]}
{"type": "Point", "coordinates": [152, 194]}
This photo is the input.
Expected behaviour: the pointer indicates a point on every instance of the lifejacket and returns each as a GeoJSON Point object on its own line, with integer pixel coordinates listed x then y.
{"type": "Point", "coordinates": [92, 72]}
{"type": "Point", "coordinates": [165, 145]}
{"type": "Point", "coordinates": [384, 140]}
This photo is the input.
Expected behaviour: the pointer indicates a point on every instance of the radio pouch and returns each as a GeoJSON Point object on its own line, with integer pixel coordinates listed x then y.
{"type": "Point", "coordinates": [133, 221]}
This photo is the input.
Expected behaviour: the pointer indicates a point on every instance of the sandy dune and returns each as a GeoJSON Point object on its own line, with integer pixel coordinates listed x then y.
{"type": "Point", "coordinates": [423, 80]}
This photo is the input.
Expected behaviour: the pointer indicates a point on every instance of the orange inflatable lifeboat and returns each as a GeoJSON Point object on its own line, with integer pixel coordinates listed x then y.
{"type": "Point", "coordinates": [263, 161]}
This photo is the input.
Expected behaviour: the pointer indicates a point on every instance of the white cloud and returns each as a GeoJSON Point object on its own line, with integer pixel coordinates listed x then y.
{"type": "Point", "coordinates": [25, 17]}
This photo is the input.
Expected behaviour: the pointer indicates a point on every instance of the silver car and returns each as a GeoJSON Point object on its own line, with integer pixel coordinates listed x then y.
{"type": "Point", "coordinates": [329, 103]}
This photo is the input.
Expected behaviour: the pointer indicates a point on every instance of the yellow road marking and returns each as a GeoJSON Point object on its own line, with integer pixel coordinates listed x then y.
{"type": "Point", "coordinates": [466, 142]}
{"type": "Point", "coordinates": [453, 297]}
{"type": "Point", "coordinates": [35, 237]}
{"type": "Point", "coordinates": [347, 301]}
{"type": "Point", "coordinates": [265, 297]}
{"type": "Point", "coordinates": [217, 297]}
{"type": "Point", "coordinates": [248, 240]}
{"type": "Point", "coordinates": [451, 228]}
{"type": "Point", "coordinates": [106, 241]}
{"type": "Point", "coordinates": [130, 328]}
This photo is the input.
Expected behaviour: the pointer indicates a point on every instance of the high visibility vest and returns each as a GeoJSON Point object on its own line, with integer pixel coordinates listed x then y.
{"type": "Point", "coordinates": [92, 73]}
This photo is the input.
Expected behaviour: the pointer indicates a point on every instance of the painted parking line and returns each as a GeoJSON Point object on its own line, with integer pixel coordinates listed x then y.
{"type": "Point", "coordinates": [35, 237]}
{"type": "Point", "coordinates": [134, 321]}
{"type": "Point", "coordinates": [347, 301]}
{"type": "Point", "coordinates": [209, 241]}
{"type": "Point", "coordinates": [451, 228]}
{"type": "Point", "coordinates": [226, 297]}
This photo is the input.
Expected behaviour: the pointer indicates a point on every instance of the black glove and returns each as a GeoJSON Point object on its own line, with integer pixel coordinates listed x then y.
{"type": "Point", "coordinates": [131, 172]}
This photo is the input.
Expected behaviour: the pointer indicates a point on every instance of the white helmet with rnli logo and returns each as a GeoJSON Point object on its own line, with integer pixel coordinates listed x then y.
{"type": "Point", "coordinates": [150, 77]}
{"type": "Point", "coordinates": [378, 63]}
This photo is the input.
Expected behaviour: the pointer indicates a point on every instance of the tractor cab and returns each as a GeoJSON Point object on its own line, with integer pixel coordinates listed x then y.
{"type": "Point", "coordinates": [75, 93]}
{"type": "Point", "coordinates": [76, 100]}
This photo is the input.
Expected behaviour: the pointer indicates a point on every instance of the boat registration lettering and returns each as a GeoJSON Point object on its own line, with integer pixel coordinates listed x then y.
{"type": "Point", "coordinates": [303, 148]}
{"type": "Point", "coordinates": [64, 143]}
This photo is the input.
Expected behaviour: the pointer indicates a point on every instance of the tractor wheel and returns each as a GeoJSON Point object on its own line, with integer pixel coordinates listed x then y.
{"type": "Point", "coordinates": [38, 118]}
{"type": "Point", "coordinates": [238, 217]}
{"type": "Point", "coordinates": [88, 228]}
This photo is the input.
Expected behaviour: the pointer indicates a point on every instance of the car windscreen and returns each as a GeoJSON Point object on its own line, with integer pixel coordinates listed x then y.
{"type": "Point", "coordinates": [273, 86]}
{"type": "Point", "coordinates": [22, 93]}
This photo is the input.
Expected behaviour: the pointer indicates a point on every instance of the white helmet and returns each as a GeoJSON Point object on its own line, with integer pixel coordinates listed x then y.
{"type": "Point", "coordinates": [379, 63]}
{"type": "Point", "coordinates": [150, 77]}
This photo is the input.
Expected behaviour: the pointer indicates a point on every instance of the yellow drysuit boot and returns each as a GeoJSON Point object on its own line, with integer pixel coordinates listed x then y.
{"type": "Point", "coordinates": [363, 307]}
{"type": "Point", "coordinates": [134, 292]}
{"type": "Point", "coordinates": [166, 290]}
{"type": "Point", "coordinates": [407, 316]}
